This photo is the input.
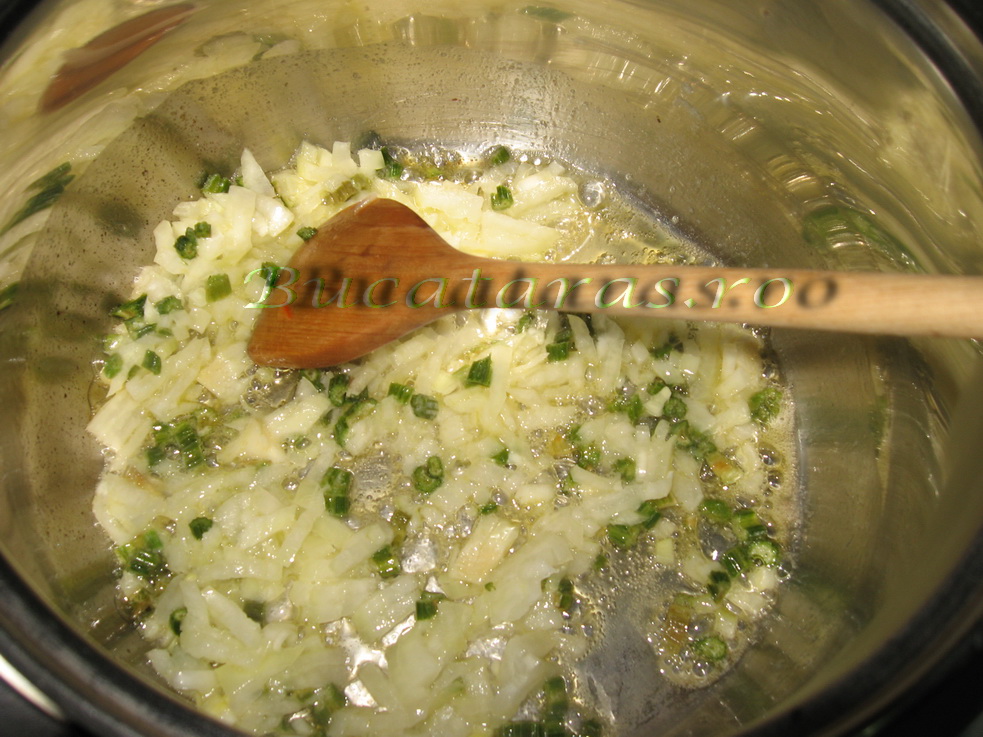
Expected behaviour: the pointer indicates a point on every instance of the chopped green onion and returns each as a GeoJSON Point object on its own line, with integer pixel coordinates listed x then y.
{"type": "Point", "coordinates": [307, 233]}
{"type": "Point", "coordinates": [151, 362]}
{"type": "Point", "coordinates": [199, 526]}
{"type": "Point", "coordinates": [765, 404]}
{"type": "Point", "coordinates": [558, 351]}
{"type": "Point", "coordinates": [314, 376]}
{"type": "Point", "coordinates": [626, 468]}
{"type": "Point", "coordinates": [502, 198]}
{"type": "Point", "coordinates": [735, 561]}
{"type": "Point", "coordinates": [525, 321]}
{"type": "Point", "coordinates": [345, 191]}
{"type": "Point", "coordinates": [673, 343]}
{"type": "Point", "coordinates": [764, 552]}
{"type": "Point", "coordinates": [337, 388]}
{"type": "Point", "coordinates": [131, 309]}
{"type": "Point", "coordinates": [336, 485]}
{"type": "Point", "coordinates": [718, 585]}
{"type": "Point", "coordinates": [426, 605]}
{"type": "Point", "coordinates": [168, 305]}
{"type": "Point", "coordinates": [656, 386]}
{"type": "Point", "coordinates": [715, 510]}
{"type": "Point", "coordinates": [391, 169]}
{"type": "Point", "coordinates": [674, 409]}
{"type": "Point", "coordinates": [216, 183]}
{"type": "Point", "coordinates": [588, 457]}
{"type": "Point", "coordinates": [217, 287]}
{"type": "Point", "coordinates": [710, 648]}
{"type": "Point", "coordinates": [489, 508]}
{"type": "Point", "coordinates": [630, 405]}
{"type": "Point", "coordinates": [51, 185]}
{"type": "Point", "coordinates": [499, 156]}
{"type": "Point", "coordinates": [589, 728]}
{"type": "Point", "coordinates": [386, 562]}
{"type": "Point", "coordinates": [566, 596]}
{"type": "Point", "coordinates": [623, 536]}
{"type": "Point", "coordinates": [144, 557]}
{"type": "Point", "coordinates": [480, 373]}
{"type": "Point", "coordinates": [203, 230]}
{"type": "Point", "coordinates": [186, 245]}
{"type": "Point", "coordinates": [424, 406]}
{"type": "Point", "coordinates": [697, 443]}
{"type": "Point", "coordinates": [501, 457]}
{"type": "Point", "coordinates": [400, 392]}
{"type": "Point", "coordinates": [113, 365]}
{"type": "Point", "coordinates": [176, 619]}
{"type": "Point", "coordinates": [430, 476]}
{"type": "Point", "coordinates": [651, 513]}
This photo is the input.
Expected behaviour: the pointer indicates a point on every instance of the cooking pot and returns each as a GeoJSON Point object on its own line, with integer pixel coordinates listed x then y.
{"type": "Point", "coordinates": [773, 132]}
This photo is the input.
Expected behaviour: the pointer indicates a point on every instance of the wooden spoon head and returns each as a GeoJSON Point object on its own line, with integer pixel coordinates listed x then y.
{"type": "Point", "coordinates": [340, 301]}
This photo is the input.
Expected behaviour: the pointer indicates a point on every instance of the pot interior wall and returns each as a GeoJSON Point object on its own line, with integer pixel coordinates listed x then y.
{"type": "Point", "coordinates": [870, 413]}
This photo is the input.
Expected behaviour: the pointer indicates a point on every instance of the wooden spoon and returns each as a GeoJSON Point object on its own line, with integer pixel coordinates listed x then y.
{"type": "Point", "coordinates": [377, 271]}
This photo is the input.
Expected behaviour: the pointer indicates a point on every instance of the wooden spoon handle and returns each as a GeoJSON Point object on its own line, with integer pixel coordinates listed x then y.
{"type": "Point", "coordinates": [860, 302]}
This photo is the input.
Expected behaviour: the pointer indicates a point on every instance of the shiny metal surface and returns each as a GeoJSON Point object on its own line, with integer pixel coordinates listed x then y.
{"type": "Point", "coordinates": [746, 124]}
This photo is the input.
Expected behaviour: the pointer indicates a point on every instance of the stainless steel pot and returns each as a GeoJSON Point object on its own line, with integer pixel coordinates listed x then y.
{"type": "Point", "coordinates": [772, 132]}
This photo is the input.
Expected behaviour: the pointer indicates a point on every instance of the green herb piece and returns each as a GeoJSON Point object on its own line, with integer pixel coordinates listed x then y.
{"type": "Point", "coordinates": [314, 376]}
{"type": "Point", "coordinates": [588, 457]}
{"type": "Point", "coordinates": [689, 438]}
{"type": "Point", "coordinates": [336, 485]}
{"type": "Point", "coordinates": [558, 351]}
{"type": "Point", "coordinates": [718, 585]}
{"type": "Point", "coordinates": [524, 322]}
{"type": "Point", "coordinates": [186, 247]}
{"type": "Point", "coordinates": [168, 305]}
{"type": "Point", "coordinates": [136, 328]}
{"type": "Point", "coordinates": [566, 596]}
{"type": "Point", "coordinates": [424, 407]}
{"type": "Point", "coordinates": [113, 365]}
{"type": "Point", "coordinates": [674, 409]}
{"type": "Point", "coordinates": [764, 553]}
{"type": "Point", "coordinates": [488, 508]}
{"type": "Point", "coordinates": [480, 373]}
{"type": "Point", "coordinates": [151, 362]}
{"type": "Point", "coordinates": [177, 619]}
{"type": "Point", "coordinates": [307, 233]}
{"type": "Point", "coordinates": [386, 562]}
{"type": "Point", "coordinates": [555, 705]}
{"type": "Point", "coordinates": [716, 510]}
{"type": "Point", "coordinates": [656, 386]}
{"type": "Point", "coordinates": [710, 648]}
{"type": "Point", "coordinates": [429, 476]}
{"type": "Point", "coordinates": [346, 190]}
{"type": "Point", "coordinates": [217, 287]}
{"type": "Point", "coordinates": [501, 457]}
{"type": "Point", "coordinates": [673, 343]}
{"type": "Point", "coordinates": [144, 556]}
{"type": "Point", "coordinates": [765, 404]}
{"type": "Point", "coordinates": [51, 185]}
{"type": "Point", "coordinates": [623, 536]}
{"type": "Point", "coordinates": [651, 511]}
{"type": "Point", "coordinates": [631, 405]}
{"type": "Point", "coordinates": [215, 184]}
{"type": "Point", "coordinates": [499, 156]}
{"type": "Point", "coordinates": [178, 439]}
{"type": "Point", "coordinates": [426, 606]}
{"type": "Point", "coordinates": [199, 526]}
{"type": "Point", "coordinates": [735, 561]}
{"type": "Point", "coordinates": [400, 392]}
{"type": "Point", "coordinates": [391, 168]}
{"type": "Point", "coordinates": [502, 198]}
{"type": "Point", "coordinates": [358, 407]}
{"type": "Point", "coordinates": [132, 309]}
{"type": "Point", "coordinates": [338, 388]}
{"type": "Point", "coordinates": [626, 468]}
